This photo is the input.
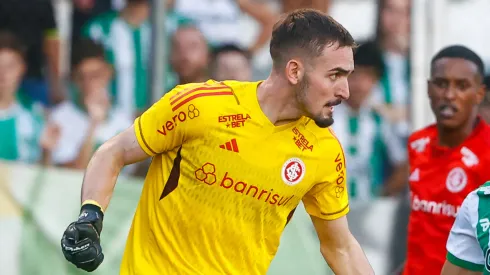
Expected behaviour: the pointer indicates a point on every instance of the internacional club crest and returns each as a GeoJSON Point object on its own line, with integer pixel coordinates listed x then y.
{"type": "Point", "coordinates": [293, 171]}
{"type": "Point", "coordinates": [456, 180]}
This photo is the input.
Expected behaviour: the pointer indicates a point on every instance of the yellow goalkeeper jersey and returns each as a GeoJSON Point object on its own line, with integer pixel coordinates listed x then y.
{"type": "Point", "coordinates": [224, 182]}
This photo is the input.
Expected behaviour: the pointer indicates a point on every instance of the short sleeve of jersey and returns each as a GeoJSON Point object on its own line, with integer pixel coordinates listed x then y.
{"type": "Point", "coordinates": [93, 30]}
{"type": "Point", "coordinates": [165, 125]}
{"type": "Point", "coordinates": [462, 245]}
{"type": "Point", "coordinates": [98, 29]}
{"type": "Point", "coordinates": [328, 198]}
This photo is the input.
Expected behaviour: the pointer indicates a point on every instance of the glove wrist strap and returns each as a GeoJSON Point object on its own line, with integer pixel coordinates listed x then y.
{"type": "Point", "coordinates": [93, 202]}
{"type": "Point", "coordinates": [92, 213]}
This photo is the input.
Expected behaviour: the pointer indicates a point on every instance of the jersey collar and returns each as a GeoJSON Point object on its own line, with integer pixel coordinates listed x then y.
{"type": "Point", "coordinates": [476, 131]}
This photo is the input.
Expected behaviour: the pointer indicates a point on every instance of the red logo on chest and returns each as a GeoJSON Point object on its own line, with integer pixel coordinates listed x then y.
{"type": "Point", "coordinates": [301, 141]}
{"type": "Point", "coordinates": [234, 121]}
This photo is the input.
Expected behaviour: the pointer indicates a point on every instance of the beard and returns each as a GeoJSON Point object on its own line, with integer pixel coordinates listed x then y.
{"type": "Point", "coordinates": [302, 95]}
{"type": "Point", "coordinates": [324, 122]}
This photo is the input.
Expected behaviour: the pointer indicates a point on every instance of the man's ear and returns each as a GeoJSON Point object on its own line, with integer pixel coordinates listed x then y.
{"type": "Point", "coordinates": [295, 71]}
{"type": "Point", "coordinates": [480, 94]}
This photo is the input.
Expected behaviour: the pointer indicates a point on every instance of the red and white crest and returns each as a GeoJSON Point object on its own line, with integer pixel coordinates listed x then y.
{"type": "Point", "coordinates": [456, 180]}
{"type": "Point", "coordinates": [293, 171]}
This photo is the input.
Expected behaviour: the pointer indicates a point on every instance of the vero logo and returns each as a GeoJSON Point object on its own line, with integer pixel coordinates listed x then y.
{"type": "Point", "coordinates": [230, 146]}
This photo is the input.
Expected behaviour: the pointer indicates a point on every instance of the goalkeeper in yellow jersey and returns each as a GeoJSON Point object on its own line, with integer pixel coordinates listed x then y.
{"type": "Point", "coordinates": [231, 162]}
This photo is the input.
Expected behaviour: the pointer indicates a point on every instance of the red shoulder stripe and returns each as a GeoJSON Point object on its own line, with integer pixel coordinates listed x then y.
{"type": "Point", "coordinates": [200, 95]}
{"type": "Point", "coordinates": [185, 92]}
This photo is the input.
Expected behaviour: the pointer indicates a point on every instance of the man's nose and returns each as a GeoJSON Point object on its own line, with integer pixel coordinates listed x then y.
{"type": "Point", "coordinates": [343, 90]}
{"type": "Point", "coordinates": [450, 92]}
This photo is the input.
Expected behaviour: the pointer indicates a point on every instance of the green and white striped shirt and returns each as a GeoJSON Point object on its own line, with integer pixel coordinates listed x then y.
{"type": "Point", "coordinates": [366, 139]}
{"type": "Point", "coordinates": [21, 129]}
{"type": "Point", "coordinates": [128, 50]}
{"type": "Point", "coordinates": [468, 243]}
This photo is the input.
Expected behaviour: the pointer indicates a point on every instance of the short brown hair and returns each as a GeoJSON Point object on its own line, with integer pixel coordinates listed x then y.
{"type": "Point", "coordinates": [308, 31]}
{"type": "Point", "coordinates": [84, 49]}
{"type": "Point", "coordinates": [8, 41]}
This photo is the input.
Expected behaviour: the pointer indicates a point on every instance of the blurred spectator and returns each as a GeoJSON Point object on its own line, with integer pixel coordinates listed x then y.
{"type": "Point", "coordinates": [485, 105]}
{"type": "Point", "coordinates": [393, 36]}
{"type": "Point", "coordinates": [85, 10]}
{"type": "Point", "coordinates": [365, 135]}
{"type": "Point", "coordinates": [230, 62]}
{"type": "Point", "coordinates": [22, 135]}
{"type": "Point", "coordinates": [219, 20]}
{"type": "Point", "coordinates": [126, 37]}
{"type": "Point", "coordinates": [190, 55]}
{"type": "Point", "coordinates": [34, 22]}
{"type": "Point", "coordinates": [290, 5]}
{"type": "Point", "coordinates": [88, 120]}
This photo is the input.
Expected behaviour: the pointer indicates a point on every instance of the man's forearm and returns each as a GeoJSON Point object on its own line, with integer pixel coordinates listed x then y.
{"type": "Point", "coordinates": [348, 260]}
{"type": "Point", "coordinates": [45, 157]}
{"type": "Point", "coordinates": [397, 181]}
{"type": "Point", "coordinates": [52, 50]}
{"type": "Point", "coordinates": [86, 150]}
{"type": "Point", "coordinates": [101, 174]}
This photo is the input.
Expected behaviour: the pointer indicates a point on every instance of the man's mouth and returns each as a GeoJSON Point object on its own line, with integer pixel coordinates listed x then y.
{"type": "Point", "coordinates": [447, 111]}
{"type": "Point", "coordinates": [333, 103]}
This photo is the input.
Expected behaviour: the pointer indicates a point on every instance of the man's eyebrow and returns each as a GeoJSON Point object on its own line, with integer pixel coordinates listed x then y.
{"type": "Point", "coordinates": [341, 70]}
{"type": "Point", "coordinates": [450, 78]}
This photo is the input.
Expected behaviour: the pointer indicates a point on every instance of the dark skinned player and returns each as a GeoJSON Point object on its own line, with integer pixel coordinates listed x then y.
{"type": "Point", "coordinates": [447, 160]}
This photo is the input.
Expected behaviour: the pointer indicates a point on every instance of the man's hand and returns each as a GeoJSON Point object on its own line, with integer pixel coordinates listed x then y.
{"type": "Point", "coordinates": [84, 5]}
{"type": "Point", "coordinates": [50, 137]}
{"type": "Point", "coordinates": [98, 104]}
{"type": "Point", "coordinates": [81, 241]}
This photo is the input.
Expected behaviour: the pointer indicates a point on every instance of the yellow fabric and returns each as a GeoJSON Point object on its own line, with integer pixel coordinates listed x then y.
{"type": "Point", "coordinates": [224, 182]}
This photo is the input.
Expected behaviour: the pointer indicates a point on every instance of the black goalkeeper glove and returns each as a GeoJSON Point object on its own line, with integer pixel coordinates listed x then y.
{"type": "Point", "coordinates": [81, 241]}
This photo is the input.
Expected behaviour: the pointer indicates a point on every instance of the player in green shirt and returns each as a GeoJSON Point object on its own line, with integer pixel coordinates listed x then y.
{"type": "Point", "coordinates": [468, 243]}
{"type": "Point", "coordinates": [126, 37]}
{"type": "Point", "coordinates": [24, 136]}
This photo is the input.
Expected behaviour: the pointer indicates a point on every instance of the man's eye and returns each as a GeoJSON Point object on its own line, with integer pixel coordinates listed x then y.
{"type": "Point", "coordinates": [462, 85]}
{"type": "Point", "coordinates": [440, 83]}
{"type": "Point", "coordinates": [333, 76]}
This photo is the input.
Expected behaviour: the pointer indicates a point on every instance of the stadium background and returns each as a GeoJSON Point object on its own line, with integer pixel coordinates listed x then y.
{"type": "Point", "coordinates": [36, 203]}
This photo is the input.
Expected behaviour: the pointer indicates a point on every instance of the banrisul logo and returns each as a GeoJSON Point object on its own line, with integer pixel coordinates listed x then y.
{"type": "Point", "coordinates": [487, 259]}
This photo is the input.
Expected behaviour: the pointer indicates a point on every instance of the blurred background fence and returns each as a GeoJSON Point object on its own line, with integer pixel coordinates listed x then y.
{"type": "Point", "coordinates": [36, 203]}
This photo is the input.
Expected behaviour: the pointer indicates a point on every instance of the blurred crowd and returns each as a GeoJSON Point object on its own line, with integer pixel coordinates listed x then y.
{"type": "Point", "coordinates": [55, 119]}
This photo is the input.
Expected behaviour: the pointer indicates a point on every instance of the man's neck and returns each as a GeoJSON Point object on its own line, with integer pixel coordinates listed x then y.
{"type": "Point", "coordinates": [135, 14]}
{"type": "Point", "coordinates": [454, 137]}
{"type": "Point", "coordinates": [198, 79]}
{"type": "Point", "coordinates": [6, 101]}
{"type": "Point", "coordinates": [391, 45]}
{"type": "Point", "coordinates": [277, 101]}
